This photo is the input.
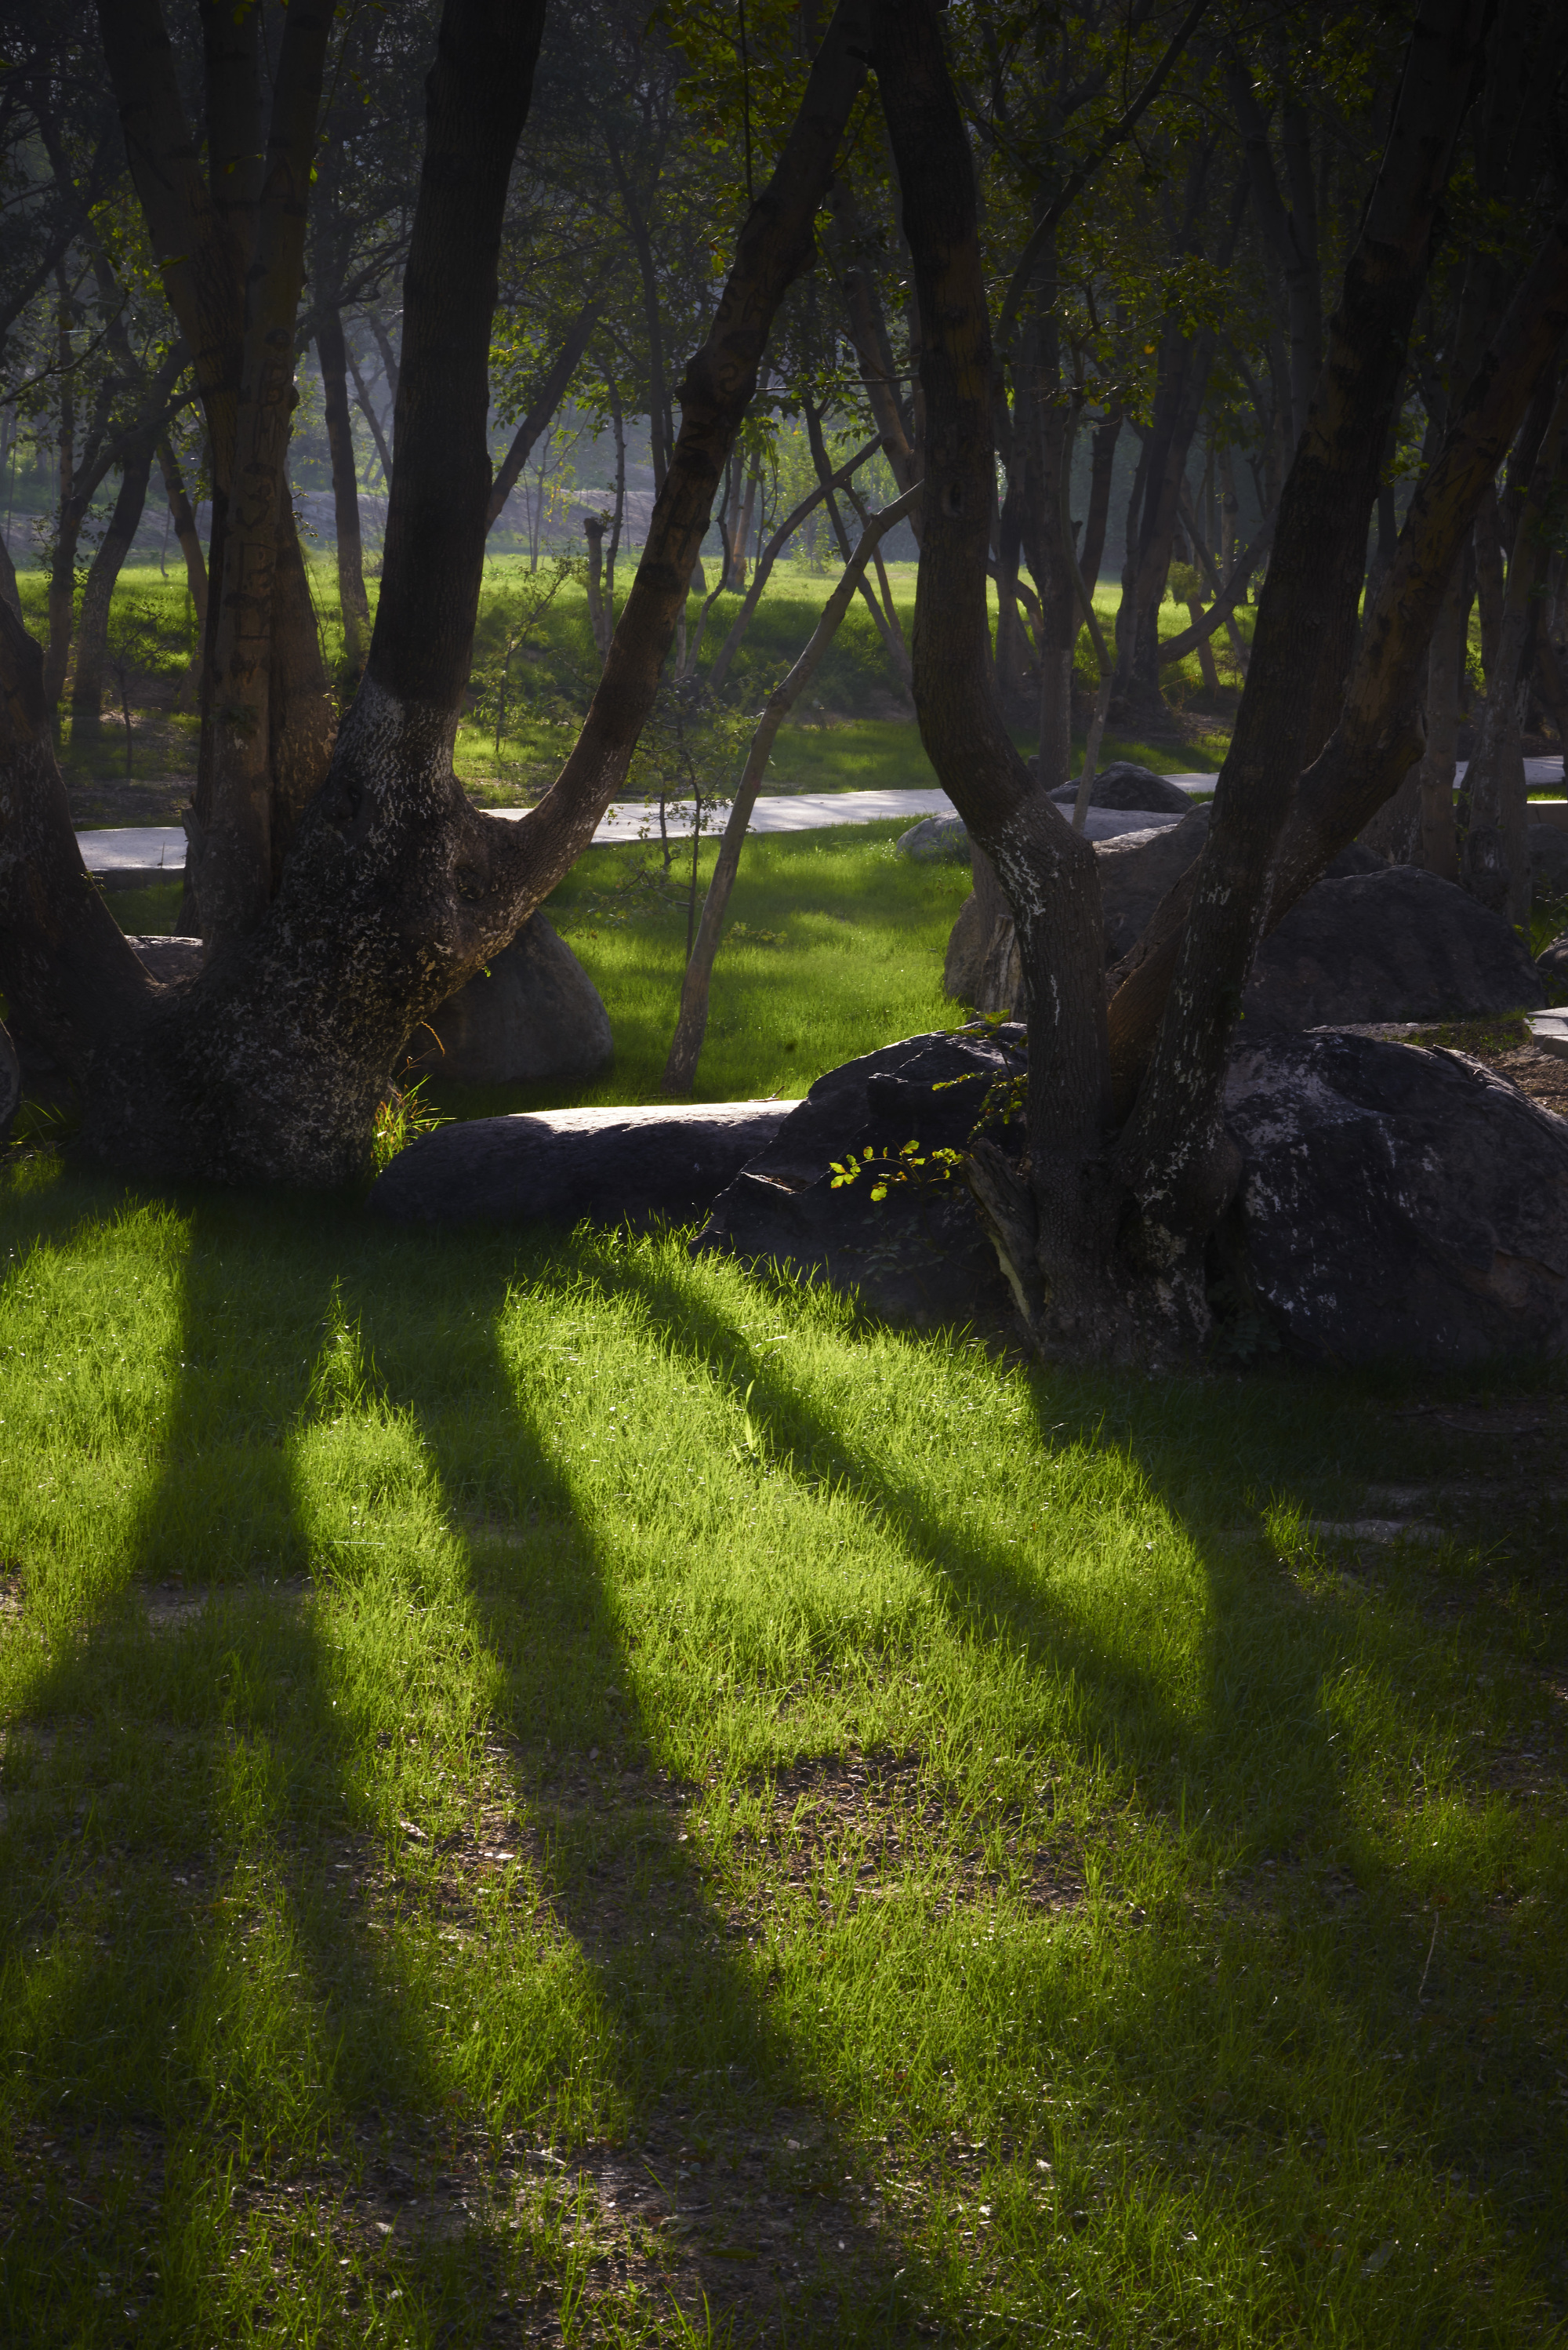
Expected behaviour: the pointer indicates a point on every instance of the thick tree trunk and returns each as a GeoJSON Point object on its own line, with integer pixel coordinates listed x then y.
{"type": "Point", "coordinates": [1379, 731]}
{"type": "Point", "coordinates": [202, 216]}
{"type": "Point", "coordinates": [1173, 1156]}
{"type": "Point", "coordinates": [353, 604]}
{"type": "Point", "coordinates": [1047, 871]}
{"type": "Point", "coordinates": [271, 1064]}
{"type": "Point", "coordinates": [92, 639]}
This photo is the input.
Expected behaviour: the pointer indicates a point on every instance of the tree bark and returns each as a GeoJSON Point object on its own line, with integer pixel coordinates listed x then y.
{"type": "Point", "coordinates": [202, 223]}
{"type": "Point", "coordinates": [1497, 856]}
{"type": "Point", "coordinates": [1047, 871]}
{"type": "Point", "coordinates": [1379, 733]}
{"type": "Point", "coordinates": [353, 604]}
{"type": "Point", "coordinates": [92, 639]}
{"type": "Point", "coordinates": [271, 1064]}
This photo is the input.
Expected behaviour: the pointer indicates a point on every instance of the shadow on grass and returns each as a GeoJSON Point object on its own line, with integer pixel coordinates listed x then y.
{"type": "Point", "coordinates": [226, 2056]}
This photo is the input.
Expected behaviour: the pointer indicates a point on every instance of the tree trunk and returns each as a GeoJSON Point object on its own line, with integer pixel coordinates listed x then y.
{"type": "Point", "coordinates": [270, 1066]}
{"type": "Point", "coordinates": [1102, 463]}
{"type": "Point", "coordinates": [204, 215]}
{"type": "Point", "coordinates": [1173, 1156]}
{"type": "Point", "coordinates": [353, 604]}
{"type": "Point", "coordinates": [185, 529]}
{"type": "Point", "coordinates": [1379, 731]}
{"type": "Point", "coordinates": [691, 1021]}
{"type": "Point", "coordinates": [92, 641]}
{"type": "Point", "coordinates": [1497, 855]}
{"type": "Point", "coordinates": [1047, 871]}
{"type": "Point", "coordinates": [603, 627]}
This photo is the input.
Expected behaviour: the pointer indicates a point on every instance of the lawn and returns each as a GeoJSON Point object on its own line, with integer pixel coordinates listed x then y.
{"type": "Point", "coordinates": [556, 1791]}
{"type": "Point", "coordinates": [855, 731]}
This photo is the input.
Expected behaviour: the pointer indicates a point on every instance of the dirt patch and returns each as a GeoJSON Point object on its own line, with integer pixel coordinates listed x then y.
{"type": "Point", "coordinates": [855, 1828]}
{"type": "Point", "coordinates": [768, 2224]}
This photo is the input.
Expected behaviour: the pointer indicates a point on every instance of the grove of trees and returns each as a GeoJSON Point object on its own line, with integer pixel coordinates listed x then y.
{"type": "Point", "coordinates": [1278, 304]}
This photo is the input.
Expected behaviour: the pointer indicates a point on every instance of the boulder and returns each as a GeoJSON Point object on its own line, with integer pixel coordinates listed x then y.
{"type": "Point", "coordinates": [1136, 870]}
{"type": "Point", "coordinates": [169, 958]}
{"type": "Point", "coordinates": [537, 1014]}
{"type": "Point", "coordinates": [916, 1256]}
{"type": "Point", "coordinates": [1391, 945]}
{"type": "Point", "coordinates": [1395, 1201]}
{"type": "Point", "coordinates": [1552, 960]}
{"type": "Point", "coordinates": [1124, 785]}
{"type": "Point", "coordinates": [567, 1164]}
{"type": "Point", "coordinates": [935, 840]}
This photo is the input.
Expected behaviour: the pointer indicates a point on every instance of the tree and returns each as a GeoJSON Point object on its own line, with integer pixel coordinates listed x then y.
{"type": "Point", "coordinates": [272, 1064]}
{"type": "Point", "coordinates": [1128, 1166]}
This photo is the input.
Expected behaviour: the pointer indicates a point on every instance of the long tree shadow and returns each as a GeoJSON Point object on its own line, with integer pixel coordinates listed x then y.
{"type": "Point", "coordinates": [273, 1985]}
{"type": "Point", "coordinates": [221, 1955]}
{"type": "Point", "coordinates": [1243, 1773]}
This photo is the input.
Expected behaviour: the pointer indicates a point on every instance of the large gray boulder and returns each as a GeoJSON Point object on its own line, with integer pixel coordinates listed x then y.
{"type": "Point", "coordinates": [1395, 1201]}
{"type": "Point", "coordinates": [1136, 870]}
{"type": "Point", "coordinates": [1124, 785]}
{"type": "Point", "coordinates": [1396, 944]}
{"type": "Point", "coordinates": [562, 1166]}
{"type": "Point", "coordinates": [935, 840]}
{"type": "Point", "coordinates": [536, 1014]}
{"type": "Point", "coordinates": [916, 1256]}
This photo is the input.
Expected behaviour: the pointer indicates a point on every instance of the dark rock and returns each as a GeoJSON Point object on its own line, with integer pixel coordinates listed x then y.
{"type": "Point", "coordinates": [1124, 785]}
{"type": "Point", "coordinates": [936, 840]}
{"type": "Point", "coordinates": [1395, 1201]}
{"type": "Point", "coordinates": [1552, 960]}
{"type": "Point", "coordinates": [1136, 870]}
{"type": "Point", "coordinates": [1548, 845]}
{"type": "Point", "coordinates": [565, 1165]}
{"type": "Point", "coordinates": [918, 1255]}
{"type": "Point", "coordinates": [169, 958]}
{"type": "Point", "coordinates": [538, 1014]}
{"type": "Point", "coordinates": [1357, 858]}
{"type": "Point", "coordinates": [1396, 944]}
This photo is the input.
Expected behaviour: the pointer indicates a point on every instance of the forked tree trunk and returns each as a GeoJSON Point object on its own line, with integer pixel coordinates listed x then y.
{"type": "Point", "coordinates": [1116, 1229]}
{"type": "Point", "coordinates": [202, 210]}
{"type": "Point", "coordinates": [270, 1066]}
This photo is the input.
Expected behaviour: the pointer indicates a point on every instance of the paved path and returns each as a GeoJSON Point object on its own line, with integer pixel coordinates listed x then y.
{"type": "Point", "coordinates": [145, 852]}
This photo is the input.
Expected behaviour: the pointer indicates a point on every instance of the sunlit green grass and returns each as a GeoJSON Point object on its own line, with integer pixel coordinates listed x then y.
{"type": "Point", "coordinates": [1180, 1967]}
{"type": "Point", "coordinates": [853, 731]}
{"type": "Point", "coordinates": [833, 946]}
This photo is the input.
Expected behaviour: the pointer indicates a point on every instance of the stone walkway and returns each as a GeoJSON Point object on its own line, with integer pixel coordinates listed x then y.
{"type": "Point", "coordinates": [148, 853]}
